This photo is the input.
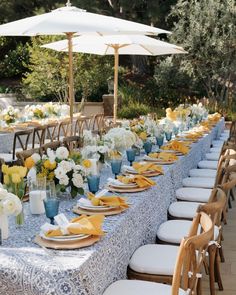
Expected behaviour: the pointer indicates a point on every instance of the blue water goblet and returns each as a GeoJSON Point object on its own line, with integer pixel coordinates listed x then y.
{"type": "Point", "coordinates": [160, 140]}
{"type": "Point", "coordinates": [93, 183]}
{"type": "Point", "coordinates": [147, 147]}
{"type": "Point", "coordinates": [51, 206]}
{"type": "Point", "coordinates": [176, 130]}
{"type": "Point", "coordinates": [116, 166]}
{"type": "Point", "coordinates": [130, 155]}
{"type": "Point", "coordinates": [168, 135]}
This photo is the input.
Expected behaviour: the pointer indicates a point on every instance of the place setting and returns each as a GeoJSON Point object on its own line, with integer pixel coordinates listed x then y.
{"type": "Point", "coordinates": [161, 158]}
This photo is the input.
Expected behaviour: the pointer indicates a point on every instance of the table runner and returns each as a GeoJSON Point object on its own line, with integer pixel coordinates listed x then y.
{"type": "Point", "coordinates": [27, 269]}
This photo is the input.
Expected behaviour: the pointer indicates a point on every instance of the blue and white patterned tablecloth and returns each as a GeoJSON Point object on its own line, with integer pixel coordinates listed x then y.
{"type": "Point", "coordinates": [27, 269]}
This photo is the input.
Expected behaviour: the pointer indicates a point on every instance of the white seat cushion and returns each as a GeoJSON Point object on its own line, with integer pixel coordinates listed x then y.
{"type": "Point", "coordinates": [6, 157]}
{"type": "Point", "coordinates": [218, 145]}
{"type": "Point", "coordinates": [154, 259]}
{"type": "Point", "coordinates": [215, 150]}
{"type": "Point", "coordinates": [173, 231]}
{"type": "Point", "coordinates": [208, 164]}
{"type": "Point", "coordinates": [137, 287]}
{"type": "Point", "coordinates": [202, 173]}
{"type": "Point", "coordinates": [212, 156]}
{"type": "Point", "coordinates": [191, 194]}
{"type": "Point", "coordinates": [217, 141]}
{"type": "Point", "coordinates": [184, 209]}
{"type": "Point", "coordinates": [202, 182]}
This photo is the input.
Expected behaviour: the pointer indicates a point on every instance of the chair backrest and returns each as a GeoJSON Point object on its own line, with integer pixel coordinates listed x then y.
{"type": "Point", "coordinates": [51, 145]}
{"type": "Point", "coordinates": [232, 132]}
{"type": "Point", "coordinates": [72, 142]}
{"type": "Point", "coordinates": [191, 255]}
{"type": "Point", "coordinates": [21, 139]}
{"type": "Point", "coordinates": [98, 124]}
{"type": "Point", "coordinates": [39, 135]}
{"type": "Point", "coordinates": [215, 206]}
{"type": "Point", "coordinates": [64, 128]}
{"type": "Point", "coordinates": [22, 156]}
{"type": "Point", "coordinates": [79, 126]}
{"type": "Point", "coordinates": [52, 131]}
{"type": "Point", "coordinates": [88, 122]}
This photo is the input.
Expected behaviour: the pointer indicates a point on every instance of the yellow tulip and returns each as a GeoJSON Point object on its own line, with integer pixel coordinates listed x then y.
{"type": "Point", "coordinates": [22, 171]}
{"type": "Point", "coordinates": [15, 178]}
{"type": "Point", "coordinates": [5, 169]}
{"type": "Point", "coordinates": [29, 163]}
{"type": "Point", "coordinates": [6, 179]}
{"type": "Point", "coordinates": [86, 163]}
{"type": "Point", "coordinates": [47, 164]}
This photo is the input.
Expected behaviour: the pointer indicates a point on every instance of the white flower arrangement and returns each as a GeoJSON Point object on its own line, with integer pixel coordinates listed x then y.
{"type": "Point", "coordinates": [10, 204]}
{"type": "Point", "coordinates": [167, 125]}
{"type": "Point", "coordinates": [120, 138]}
{"type": "Point", "coordinates": [198, 111]}
{"type": "Point", "coordinates": [9, 115]}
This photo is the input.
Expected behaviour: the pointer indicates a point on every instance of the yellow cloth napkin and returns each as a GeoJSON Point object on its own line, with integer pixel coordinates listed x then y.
{"type": "Point", "coordinates": [169, 157]}
{"type": "Point", "coordinates": [141, 168]}
{"type": "Point", "coordinates": [140, 180]}
{"type": "Point", "coordinates": [110, 201]}
{"type": "Point", "coordinates": [88, 225]}
{"type": "Point", "coordinates": [176, 146]}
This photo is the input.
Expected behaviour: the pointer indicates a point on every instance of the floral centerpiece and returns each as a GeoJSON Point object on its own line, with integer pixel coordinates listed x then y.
{"type": "Point", "coordinates": [13, 178]}
{"type": "Point", "coordinates": [9, 115]}
{"type": "Point", "coordinates": [66, 169]}
{"type": "Point", "coordinates": [120, 139]}
{"type": "Point", "coordinates": [198, 112]}
{"type": "Point", "coordinates": [10, 204]}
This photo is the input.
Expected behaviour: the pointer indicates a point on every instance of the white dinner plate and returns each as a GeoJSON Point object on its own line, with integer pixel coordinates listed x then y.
{"type": "Point", "coordinates": [64, 238]}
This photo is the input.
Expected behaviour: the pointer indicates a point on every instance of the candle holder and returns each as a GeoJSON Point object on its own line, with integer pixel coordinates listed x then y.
{"type": "Point", "coordinates": [116, 166]}
{"type": "Point", "coordinates": [130, 155]}
{"type": "Point", "coordinates": [147, 147]}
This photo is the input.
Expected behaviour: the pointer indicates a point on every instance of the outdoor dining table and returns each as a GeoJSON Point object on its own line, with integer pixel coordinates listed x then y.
{"type": "Point", "coordinates": [27, 269]}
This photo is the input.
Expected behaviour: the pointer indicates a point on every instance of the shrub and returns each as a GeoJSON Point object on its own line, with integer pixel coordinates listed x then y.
{"type": "Point", "coordinates": [133, 110]}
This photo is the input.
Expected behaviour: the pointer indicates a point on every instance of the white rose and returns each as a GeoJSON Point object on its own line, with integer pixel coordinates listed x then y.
{"type": "Point", "coordinates": [12, 205]}
{"type": "Point", "coordinates": [66, 165]}
{"type": "Point", "coordinates": [3, 193]}
{"type": "Point", "coordinates": [1, 208]}
{"type": "Point", "coordinates": [59, 172]}
{"type": "Point", "coordinates": [64, 180]}
{"type": "Point", "coordinates": [36, 157]}
{"type": "Point", "coordinates": [78, 180]}
{"type": "Point", "coordinates": [51, 155]}
{"type": "Point", "coordinates": [62, 153]}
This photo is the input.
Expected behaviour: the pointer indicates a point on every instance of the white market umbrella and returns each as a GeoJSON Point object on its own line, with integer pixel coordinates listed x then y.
{"type": "Point", "coordinates": [71, 21]}
{"type": "Point", "coordinates": [116, 45]}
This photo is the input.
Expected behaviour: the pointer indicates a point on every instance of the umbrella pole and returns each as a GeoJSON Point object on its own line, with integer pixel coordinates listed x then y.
{"type": "Point", "coordinates": [71, 79]}
{"type": "Point", "coordinates": [116, 48]}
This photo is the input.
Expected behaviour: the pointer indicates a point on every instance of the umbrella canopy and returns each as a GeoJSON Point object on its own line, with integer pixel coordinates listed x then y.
{"type": "Point", "coordinates": [70, 20]}
{"type": "Point", "coordinates": [116, 45]}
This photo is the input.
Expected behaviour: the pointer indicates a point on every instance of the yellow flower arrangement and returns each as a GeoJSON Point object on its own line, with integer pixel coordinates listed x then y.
{"type": "Point", "coordinates": [86, 163]}
{"type": "Point", "coordinates": [29, 163]}
{"type": "Point", "coordinates": [143, 136]}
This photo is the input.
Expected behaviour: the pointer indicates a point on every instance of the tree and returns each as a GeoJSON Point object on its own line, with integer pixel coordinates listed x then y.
{"type": "Point", "coordinates": [48, 72]}
{"type": "Point", "coordinates": [206, 29]}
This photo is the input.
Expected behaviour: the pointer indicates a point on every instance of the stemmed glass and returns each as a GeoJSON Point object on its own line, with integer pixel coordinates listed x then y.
{"type": "Point", "coordinates": [116, 166]}
{"type": "Point", "coordinates": [168, 135]}
{"type": "Point", "coordinates": [147, 147]}
{"type": "Point", "coordinates": [51, 202]}
{"type": "Point", "coordinates": [130, 155]}
{"type": "Point", "coordinates": [160, 140]}
{"type": "Point", "coordinates": [93, 183]}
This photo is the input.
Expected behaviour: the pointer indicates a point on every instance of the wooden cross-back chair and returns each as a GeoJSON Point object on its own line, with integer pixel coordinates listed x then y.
{"type": "Point", "coordinates": [80, 126]}
{"type": "Point", "coordinates": [52, 132]}
{"type": "Point", "coordinates": [21, 140]}
{"type": "Point", "coordinates": [22, 156]}
{"type": "Point", "coordinates": [72, 142]}
{"type": "Point", "coordinates": [98, 125]}
{"type": "Point", "coordinates": [191, 254]}
{"type": "Point", "coordinates": [39, 135]}
{"type": "Point", "coordinates": [64, 129]}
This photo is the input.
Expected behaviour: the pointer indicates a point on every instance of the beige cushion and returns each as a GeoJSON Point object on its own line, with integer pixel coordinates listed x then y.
{"type": "Point", "coordinates": [208, 164]}
{"type": "Point", "coordinates": [212, 156]}
{"type": "Point", "coordinates": [202, 182]}
{"type": "Point", "coordinates": [173, 231]}
{"type": "Point", "coordinates": [6, 157]}
{"type": "Point", "coordinates": [184, 209]}
{"type": "Point", "coordinates": [202, 173]}
{"type": "Point", "coordinates": [154, 259]}
{"type": "Point", "coordinates": [191, 194]}
{"type": "Point", "coordinates": [137, 287]}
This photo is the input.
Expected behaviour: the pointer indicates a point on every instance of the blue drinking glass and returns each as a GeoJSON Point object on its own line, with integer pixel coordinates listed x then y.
{"type": "Point", "coordinates": [160, 140]}
{"type": "Point", "coordinates": [168, 135]}
{"type": "Point", "coordinates": [147, 147]}
{"type": "Point", "coordinates": [93, 183]}
{"type": "Point", "coordinates": [130, 155]}
{"type": "Point", "coordinates": [116, 166]}
{"type": "Point", "coordinates": [176, 130]}
{"type": "Point", "coordinates": [51, 206]}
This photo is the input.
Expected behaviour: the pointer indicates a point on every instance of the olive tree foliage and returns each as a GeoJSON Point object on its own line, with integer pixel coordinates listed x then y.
{"type": "Point", "coordinates": [47, 77]}
{"type": "Point", "coordinates": [206, 29]}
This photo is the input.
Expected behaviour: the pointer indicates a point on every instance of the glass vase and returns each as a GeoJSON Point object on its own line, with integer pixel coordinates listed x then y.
{"type": "Point", "coordinates": [20, 218]}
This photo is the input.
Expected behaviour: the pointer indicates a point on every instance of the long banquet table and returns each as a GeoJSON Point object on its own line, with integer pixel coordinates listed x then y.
{"type": "Point", "coordinates": [27, 269]}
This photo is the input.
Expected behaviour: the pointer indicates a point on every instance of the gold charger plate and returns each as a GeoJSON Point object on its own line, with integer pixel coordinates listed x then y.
{"type": "Point", "coordinates": [66, 245]}
{"type": "Point", "coordinates": [127, 190]}
{"type": "Point", "coordinates": [157, 161]}
{"type": "Point", "coordinates": [113, 211]}
{"type": "Point", "coordinates": [146, 174]}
